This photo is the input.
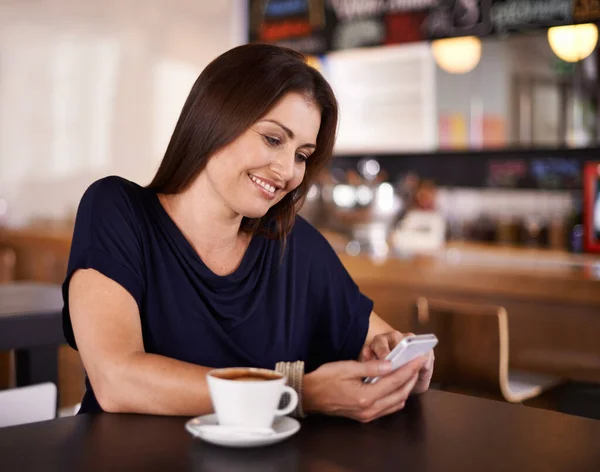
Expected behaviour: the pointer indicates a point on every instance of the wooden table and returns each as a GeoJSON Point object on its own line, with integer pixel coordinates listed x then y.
{"type": "Point", "coordinates": [437, 431]}
{"type": "Point", "coordinates": [31, 325]}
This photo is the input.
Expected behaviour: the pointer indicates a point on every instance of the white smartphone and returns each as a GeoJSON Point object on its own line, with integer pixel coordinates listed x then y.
{"type": "Point", "coordinates": [408, 349]}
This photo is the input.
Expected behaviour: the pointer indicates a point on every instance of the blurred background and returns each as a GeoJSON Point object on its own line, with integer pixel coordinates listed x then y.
{"type": "Point", "coordinates": [465, 169]}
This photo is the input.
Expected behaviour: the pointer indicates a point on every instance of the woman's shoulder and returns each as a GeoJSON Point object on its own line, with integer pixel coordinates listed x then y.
{"type": "Point", "coordinates": [113, 187]}
{"type": "Point", "coordinates": [302, 229]}
{"type": "Point", "coordinates": [306, 237]}
{"type": "Point", "coordinates": [112, 194]}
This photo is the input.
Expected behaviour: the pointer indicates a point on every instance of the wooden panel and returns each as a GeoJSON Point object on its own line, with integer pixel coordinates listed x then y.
{"type": "Point", "coordinates": [70, 376]}
{"type": "Point", "coordinates": [8, 260]}
{"type": "Point", "coordinates": [7, 273]}
{"type": "Point", "coordinates": [565, 285]}
{"type": "Point", "coordinates": [473, 347]}
{"type": "Point", "coordinates": [5, 370]}
{"type": "Point", "coordinates": [559, 338]}
{"type": "Point", "coordinates": [42, 255]}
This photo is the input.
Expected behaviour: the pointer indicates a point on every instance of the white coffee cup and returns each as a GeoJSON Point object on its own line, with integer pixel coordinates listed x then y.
{"type": "Point", "coordinates": [249, 397]}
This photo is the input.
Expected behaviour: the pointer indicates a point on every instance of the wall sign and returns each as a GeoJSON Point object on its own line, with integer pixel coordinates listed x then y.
{"type": "Point", "coordinates": [450, 18]}
{"type": "Point", "coordinates": [516, 15]}
{"type": "Point", "coordinates": [298, 24]}
{"type": "Point", "coordinates": [319, 26]}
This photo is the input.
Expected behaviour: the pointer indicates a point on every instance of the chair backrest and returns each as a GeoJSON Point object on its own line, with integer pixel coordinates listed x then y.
{"type": "Point", "coordinates": [27, 404]}
{"type": "Point", "coordinates": [8, 262]}
{"type": "Point", "coordinates": [473, 343]}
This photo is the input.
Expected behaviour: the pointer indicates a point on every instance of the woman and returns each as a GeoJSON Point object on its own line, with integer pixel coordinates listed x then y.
{"type": "Point", "coordinates": [210, 267]}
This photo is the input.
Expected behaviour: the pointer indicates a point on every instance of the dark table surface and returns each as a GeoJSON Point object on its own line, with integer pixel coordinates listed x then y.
{"type": "Point", "coordinates": [31, 325]}
{"type": "Point", "coordinates": [437, 431]}
{"type": "Point", "coordinates": [30, 315]}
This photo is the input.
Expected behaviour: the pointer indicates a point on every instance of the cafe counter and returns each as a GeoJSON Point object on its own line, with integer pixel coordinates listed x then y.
{"type": "Point", "coordinates": [552, 297]}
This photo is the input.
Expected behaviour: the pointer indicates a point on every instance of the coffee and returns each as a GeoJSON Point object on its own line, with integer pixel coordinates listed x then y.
{"type": "Point", "coordinates": [250, 378]}
{"type": "Point", "coordinates": [246, 375]}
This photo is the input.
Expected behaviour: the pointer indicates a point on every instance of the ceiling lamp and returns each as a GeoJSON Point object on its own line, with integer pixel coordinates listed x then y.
{"type": "Point", "coordinates": [574, 42]}
{"type": "Point", "coordinates": [457, 55]}
{"type": "Point", "coordinates": [314, 62]}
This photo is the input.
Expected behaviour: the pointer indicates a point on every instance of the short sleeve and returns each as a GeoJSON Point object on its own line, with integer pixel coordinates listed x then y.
{"type": "Point", "coordinates": [340, 311]}
{"type": "Point", "coordinates": [106, 238]}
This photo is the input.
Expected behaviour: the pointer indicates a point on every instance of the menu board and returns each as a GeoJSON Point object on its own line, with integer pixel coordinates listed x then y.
{"type": "Point", "coordinates": [298, 24]}
{"type": "Point", "coordinates": [318, 26]}
{"type": "Point", "coordinates": [387, 99]}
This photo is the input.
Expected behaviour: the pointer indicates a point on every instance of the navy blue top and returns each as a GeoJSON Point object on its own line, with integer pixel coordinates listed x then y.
{"type": "Point", "coordinates": [299, 306]}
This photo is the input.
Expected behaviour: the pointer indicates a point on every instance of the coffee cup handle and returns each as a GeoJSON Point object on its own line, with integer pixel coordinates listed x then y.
{"type": "Point", "coordinates": [292, 403]}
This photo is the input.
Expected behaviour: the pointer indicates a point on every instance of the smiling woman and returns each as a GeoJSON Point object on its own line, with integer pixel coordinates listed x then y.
{"type": "Point", "coordinates": [268, 157]}
{"type": "Point", "coordinates": [209, 266]}
{"type": "Point", "coordinates": [271, 93]}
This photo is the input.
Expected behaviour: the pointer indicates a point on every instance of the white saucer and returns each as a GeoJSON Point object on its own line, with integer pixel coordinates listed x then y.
{"type": "Point", "coordinates": [284, 428]}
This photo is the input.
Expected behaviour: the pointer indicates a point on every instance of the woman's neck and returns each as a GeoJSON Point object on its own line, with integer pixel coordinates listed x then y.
{"type": "Point", "coordinates": [206, 223]}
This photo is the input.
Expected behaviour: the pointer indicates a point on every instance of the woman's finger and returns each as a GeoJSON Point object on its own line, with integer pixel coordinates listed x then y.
{"type": "Point", "coordinates": [398, 396]}
{"type": "Point", "coordinates": [367, 354]}
{"type": "Point", "coordinates": [381, 346]}
{"type": "Point", "coordinates": [391, 410]}
{"type": "Point", "coordinates": [392, 402]}
{"type": "Point", "coordinates": [427, 369]}
{"type": "Point", "coordinates": [396, 337]}
{"type": "Point", "coordinates": [384, 343]}
{"type": "Point", "coordinates": [394, 381]}
{"type": "Point", "coordinates": [425, 375]}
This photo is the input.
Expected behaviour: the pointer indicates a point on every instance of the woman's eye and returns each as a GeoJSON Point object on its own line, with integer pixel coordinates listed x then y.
{"type": "Point", "coordinates": [272, 141]}
{"type": "Point", "coordinates": [301, 158]}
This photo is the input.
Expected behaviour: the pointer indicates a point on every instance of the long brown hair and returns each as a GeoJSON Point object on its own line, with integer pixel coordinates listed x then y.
{"type": "Point", "coordinates": [231, 94]}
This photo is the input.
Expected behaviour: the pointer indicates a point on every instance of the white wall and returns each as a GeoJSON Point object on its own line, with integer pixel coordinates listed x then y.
{"type": "Point", "coordinates": [488, 89]}
{"type": "Point", "coordinates": [90, 88]}
{"type": "Point", "coordinates": [387, 98]}
{"type": "Point", "coordinates": [531, 57]}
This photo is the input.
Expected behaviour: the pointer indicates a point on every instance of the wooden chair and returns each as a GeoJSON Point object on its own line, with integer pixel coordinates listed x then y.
{"type": "Point", "coordinates": [8, 262]}
{"type": "Point", "coordinates": [473, 351]}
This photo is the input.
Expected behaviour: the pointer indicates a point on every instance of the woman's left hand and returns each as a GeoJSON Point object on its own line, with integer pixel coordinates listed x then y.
{"type": "Point", "coordinates": [382, 345]}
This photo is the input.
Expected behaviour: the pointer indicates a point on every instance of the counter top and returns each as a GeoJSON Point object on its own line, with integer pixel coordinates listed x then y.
{"type": "Point", "coordinates": [484, 269]}
{"type": "Point", "coordinates": [465, 266]}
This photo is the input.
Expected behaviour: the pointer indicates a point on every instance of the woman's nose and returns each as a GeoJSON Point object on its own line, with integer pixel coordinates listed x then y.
{"type": "Point", "coordinates": [284, 165]}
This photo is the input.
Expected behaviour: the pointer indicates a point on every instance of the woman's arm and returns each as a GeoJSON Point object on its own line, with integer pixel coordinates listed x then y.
{"type": "Point", "coordinates": [107, 328]}
{"type": "Point", "coordinates": [125, 378]}
{"type": "Point", "coordinates": [377, 326]}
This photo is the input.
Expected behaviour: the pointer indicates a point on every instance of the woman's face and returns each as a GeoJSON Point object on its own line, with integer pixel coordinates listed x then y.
{"type": "Point", "coordinates": [258, 169]}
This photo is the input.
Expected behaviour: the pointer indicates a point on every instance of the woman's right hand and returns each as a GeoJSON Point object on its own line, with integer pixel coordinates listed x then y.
{"type": "Point", "coordinates": [337, 388]}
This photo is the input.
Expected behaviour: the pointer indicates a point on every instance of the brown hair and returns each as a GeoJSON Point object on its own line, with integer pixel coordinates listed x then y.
{"type": "Point", "coordinates": [231, 94]}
